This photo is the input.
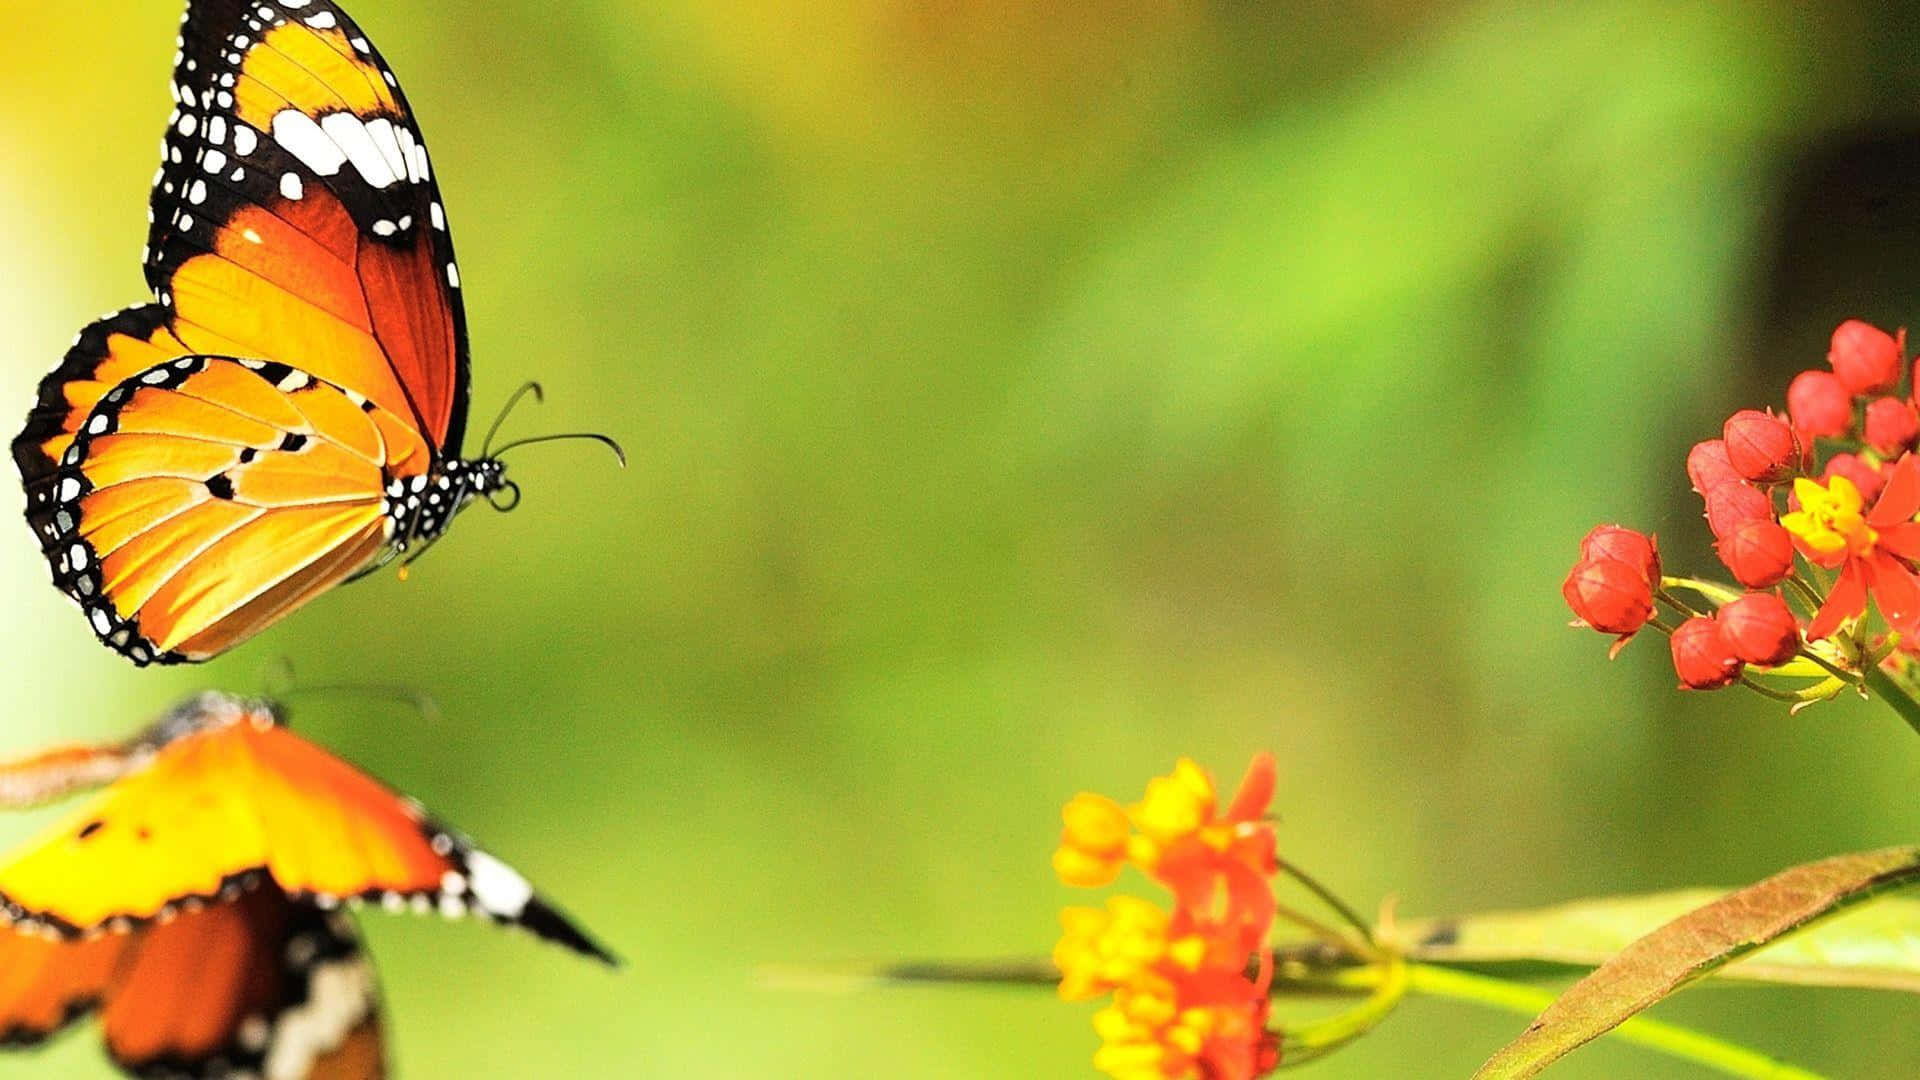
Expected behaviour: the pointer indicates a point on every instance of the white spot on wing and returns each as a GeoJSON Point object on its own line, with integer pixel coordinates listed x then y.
{"type": "Point", "coordinates": [496, 886]}
{"type": "Point", "coordinates": [296, 133]}
{"type": "Point", "coordinates": [387, 139]}
{"type": "Point", "coordinates": [350, 135]}
{"type": "Point", "coordinates": [339, 999]}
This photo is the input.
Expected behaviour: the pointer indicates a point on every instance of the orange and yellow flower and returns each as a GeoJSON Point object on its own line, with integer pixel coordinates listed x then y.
{"type": "Point", "coordinates": [1874, 549]}
{"type": "Point", "coordinates": [1189, 985]}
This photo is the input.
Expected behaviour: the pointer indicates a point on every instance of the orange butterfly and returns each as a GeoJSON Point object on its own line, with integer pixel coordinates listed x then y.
{"type": "Point", "coordinates": [194, 902]}
{"type": "Point", "coordinates": [288, 413]}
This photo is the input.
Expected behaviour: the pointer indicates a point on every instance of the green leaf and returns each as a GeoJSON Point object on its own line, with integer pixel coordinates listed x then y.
{"type": "Point", "coordinates": [1694, 944]}
{"type": "Point", "coordinates": [1873, 946]}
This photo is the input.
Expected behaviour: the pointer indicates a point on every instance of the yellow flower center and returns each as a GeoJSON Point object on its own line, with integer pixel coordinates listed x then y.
{"type": "Point", "coordinates": [1101, 949]}
{"type": "Point", "coordinates": [1829, 521]}
{"type": "Point", "coordinates": [1176, 806]}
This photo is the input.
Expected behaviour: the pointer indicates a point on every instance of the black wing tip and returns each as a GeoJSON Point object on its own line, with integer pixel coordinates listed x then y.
{"type": "Point", "coordinates": [546, 921]}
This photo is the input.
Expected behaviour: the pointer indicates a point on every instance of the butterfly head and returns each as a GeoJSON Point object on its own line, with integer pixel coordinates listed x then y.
{"type": "Point", "coordinates": [419, 508]}
{"type": "Point", "coordinates": [208, 711]}
{"type": "Point", "coordinates": [488, 480]}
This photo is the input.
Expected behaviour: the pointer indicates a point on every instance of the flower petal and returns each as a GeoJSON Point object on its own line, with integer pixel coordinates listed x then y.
{"type": "Point", "coordinates": [1902, 540]}
{"type": "Point", "coordinates": [1900, 501]}
{"type": "Point", "coordinates": [1898, 595]}
{"type": "Point", "coordinates": [1848, 598]}
{"type": "Point", "coordinates": [1256, 790]}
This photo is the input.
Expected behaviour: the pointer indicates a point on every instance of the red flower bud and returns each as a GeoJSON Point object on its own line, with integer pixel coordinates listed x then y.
{"type": "Point", "coordinates": [1760, 629]}
{"type": "Point", "coordinates": [1820, 405]}
{"type": "Point", "coordinates": [1864, 476]}
{"type": "Point", "coordinates": [1892, 425]}
{"type": "Point", "coordinates": [1760, 446]}
{"type": "Point", "coordinates": [1733, 502]}
{"type": "Point", "coordinates": [1866, 358]}
{"type": "Point", "coordinates": [1611, 596]}
{"type": "Point", "coordinates": [1702, 657]}
{"type": "Point", "coordinates": [1759, 552]}
{"type": "Point", "coordinates": [1625, 545]}
{"type": "Point", "coordinates": [1708, 467]}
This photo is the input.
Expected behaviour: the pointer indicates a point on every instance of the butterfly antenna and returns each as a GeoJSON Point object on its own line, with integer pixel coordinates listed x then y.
{"type": "Point", "coordinates": [419, 701]}
{"type": "Point", "coordinates": [505, 498]}
{"type": "Point", "coordinates": [590, 436]}
{"type": "Point", "coordinates": [513, 399]}
{"type": "Point", "coordinates": [277, 676]}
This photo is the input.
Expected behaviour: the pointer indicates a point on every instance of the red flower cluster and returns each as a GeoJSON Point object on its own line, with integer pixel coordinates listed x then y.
{"type": "Point", "coordinates": [1189, 986]}
{"type": "Point", "coordinates": [1768, 497]}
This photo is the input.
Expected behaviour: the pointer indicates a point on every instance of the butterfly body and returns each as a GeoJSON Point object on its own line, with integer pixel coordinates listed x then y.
{"type": "Point", "coordinates": [287, 412]}
{"type": "Point", "coordinates": [419, 508]}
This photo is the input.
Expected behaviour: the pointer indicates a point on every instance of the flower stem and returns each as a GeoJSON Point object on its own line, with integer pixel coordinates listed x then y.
{"type": "Point", "coordinates": [1389, 981]}
{"type": "Point", "coordinates": [1798, 585]}
{"type": "Point", "coordinates": [1685, 1044]}
{"type": "Point", "coordinates": [1362, 949]}
{"type": "Point", "coordinates": [1768, 691]}
{"type": "Point", "coordinates": [1909, 709]}
{"type": "Point", "coordinates": [1329, 898]}
{"type": "Point", "coordinates": [1712, 590]}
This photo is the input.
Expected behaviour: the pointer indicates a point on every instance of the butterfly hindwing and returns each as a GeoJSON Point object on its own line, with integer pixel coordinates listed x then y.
{"type": "Point", "coordinates": [296, 216]}
{"type": "Point", "coordinates": [105, 354]}
{"type": "Point", "coordinates": [258, 986]}
{"type": "Point", "coordinates": [47, 983]}
{"type": "Point", "coordinates": [203, 499]}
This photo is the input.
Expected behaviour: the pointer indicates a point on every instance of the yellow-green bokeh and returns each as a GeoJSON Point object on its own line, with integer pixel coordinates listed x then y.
{"type": "Point", "coordinates": [1021, 396]}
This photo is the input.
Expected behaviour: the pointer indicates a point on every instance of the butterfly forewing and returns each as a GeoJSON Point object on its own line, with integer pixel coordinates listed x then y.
{"type": "Point", "coordinates": [296, 215]}
{"type": "Point", "coordinates": [249, 804]}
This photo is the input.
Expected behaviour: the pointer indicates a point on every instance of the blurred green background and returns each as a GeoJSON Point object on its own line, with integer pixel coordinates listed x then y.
{"type": "Point", "coordinates": [1020, 396]}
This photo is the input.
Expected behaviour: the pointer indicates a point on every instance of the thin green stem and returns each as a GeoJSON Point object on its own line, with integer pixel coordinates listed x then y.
{"type": "Point", "coordinates": [1302, 1043]}
{"type": "Point", "coordinates": [1330, 898]}
{"type": "Point", "coordinates": [1672, 1040]}
{"type": "Point", "coordinates": [1332, 935]}
{"type": "Point", "coordinates": [1678, 604]}
{"type": "Point", "coordinates": [1849, 677]}
{"type": "Point", "coordinates": [1909, 709]}
{"type": "Point", "coordinates": [1712, 590]}
{"type": "Point", "coordinates": [1767, 691]}
{"type": "Point", "coordinates": [1804, 591]}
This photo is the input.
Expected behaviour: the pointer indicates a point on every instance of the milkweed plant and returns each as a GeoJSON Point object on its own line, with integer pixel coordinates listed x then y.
{"type": "Point", "coordinates": [1209, 940]}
